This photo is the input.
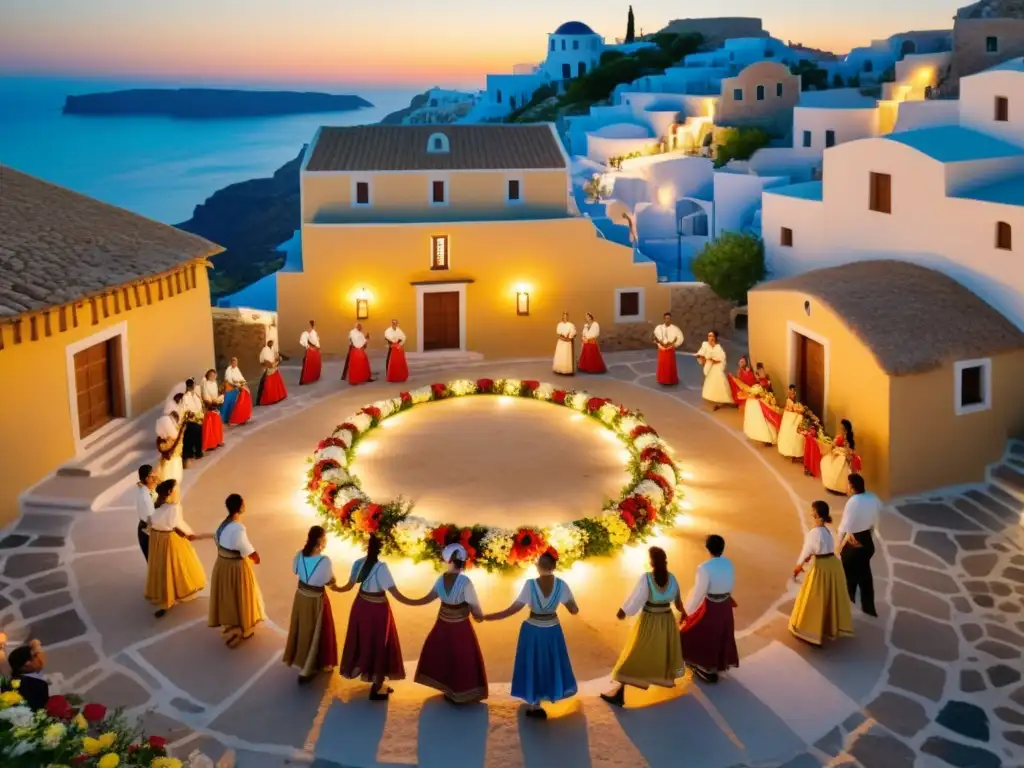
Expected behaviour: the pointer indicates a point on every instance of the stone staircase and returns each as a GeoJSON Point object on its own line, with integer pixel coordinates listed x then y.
{"type": "Point", "coordinates": [1005, 479]}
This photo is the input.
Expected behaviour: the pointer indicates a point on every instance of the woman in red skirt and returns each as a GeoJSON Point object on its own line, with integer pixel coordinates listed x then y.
{"type": "Point", "coordinates": [708, 630]}
{"type": "Point", "coordinates": [213, 424]}
{"type": "Point", "coordinates": [590, 356]}
{"type": "Point", "coordinates": [271, 389]}
{"type": "Point", "coordinates": [372, 652]}
{"type": "Point", "coordinates": [451, 661]}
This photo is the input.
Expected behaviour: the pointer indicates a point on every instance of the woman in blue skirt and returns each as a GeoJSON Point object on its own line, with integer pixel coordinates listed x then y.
{"type": "Point", "coordinates": [542, 669]}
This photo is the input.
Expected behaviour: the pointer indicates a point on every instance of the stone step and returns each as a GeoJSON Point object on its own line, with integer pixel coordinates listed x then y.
{"type": "Point", "coordinates": [1009, 479]}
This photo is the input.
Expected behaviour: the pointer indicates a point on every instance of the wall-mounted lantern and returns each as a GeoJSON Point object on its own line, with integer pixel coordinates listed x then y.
{"type": "Point", "coordinates": [362, 305]}
{"type": "Point", "coordinates": [522, 301]}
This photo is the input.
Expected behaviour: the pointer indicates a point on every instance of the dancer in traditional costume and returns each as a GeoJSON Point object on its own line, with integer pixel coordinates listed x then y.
{"type": "Point", "coordinates": [192, 413]}
{"type": "Point", "coordinates": [564, 362]}
{"type": "Point", "coordinates": [312, 645]}
{"type": "Point", "coordinates": [396, 369]}
{"type": "Point", "coordinates": [451, 660]}
{"type": "Point", "coordinates": [271, 389]}
{"type": "Point", "coordinates": [175, 574]}
{"type": "Point", "coordinates": [741, 383]}
{"type": "Point", "coordinates": [841, 461]}
{"type": "Point", "coordinates": [169, 437]}
{"type": "Point", "coordinates": [762, 419]}
{"type": "Point", "coordinates": [711, 357]}
{"type": "Point", "coordinates": [791, 442]}
{"type": "Point", "coordinates": [312, 363]}
{"type": "Point", "coordinates": [174, 404]}
{"type": "Point", "coordinates": [708, 630]}
{"type": "Point", "coordinates": [763, 379]}
{"type": "Point", "coordinates": [237, 407]}
{"type": "Point", "coordinates": [653, 655]}
{"type": "Point", "coordinates": [145, 499]}
{"type": "Point", "coordinates": [822, 610]}
{"type": "Point", "coordinates": [856, 543]}
{"type": "Point", "coordinates": [213, 423]}
{"type": "Point", "coordinates": [357, 364]}
{"type": "Point", "coordinates": [668, 338]}
{"type": "Point", "coordinates": [590, 354]}
{"type": "Point", "coordinates": [372, 652]}
{"type": "Point", "coordinates": [236, 603]}
{"type": "Point", "coordinates": [542, 671]}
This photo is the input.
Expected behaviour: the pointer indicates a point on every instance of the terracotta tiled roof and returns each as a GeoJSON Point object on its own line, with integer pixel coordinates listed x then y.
{"type": "Point", "coordinates": [913, 319]}
{"type": "Point", "coordinates": [404, 148]}
{"type": "Point", "coordinates": [57, 245]}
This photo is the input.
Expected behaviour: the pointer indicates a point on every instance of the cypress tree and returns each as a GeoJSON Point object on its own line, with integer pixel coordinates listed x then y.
{"type": "Point", "coordinates": [630, 30]}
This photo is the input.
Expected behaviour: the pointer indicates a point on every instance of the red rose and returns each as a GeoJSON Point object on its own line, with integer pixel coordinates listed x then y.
{"type": "Point", "coordinates": [327, 494]}
{"type": "Point", "coordinates": [484, 386]}
{"type": "Point", "coordinates": [558, 396]}
{"type": "Point", "coordinates": [58, 706]}
{"type": "Point", "coordinates": [157, 742]}
{"type": "Point", "coordinates": [440, 535]}
{"type": "Point", "coordinates": [643, 429]}
{"type": "Point", "coordinates": [330, 442]}
{"type": "Point", "coordinates": [594, 404]}
{"type": "Point", "coordinates": [405, 397]}
{"type": "Point", "coordinates": [350, 506]}
{"type": "Point", "coordinates": [531, 385]}
{"type": "Point", "coordinates": [373, 413]}
{"type": "Point", "coordinates": [439, 390]}
{"type": "Point", "coordinates": [94, 713]}
{"type": "Point", "coordinates": [628, 518]}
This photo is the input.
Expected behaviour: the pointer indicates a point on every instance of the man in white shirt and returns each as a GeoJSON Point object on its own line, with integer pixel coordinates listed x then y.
{"type": "Point", "coordinates": [708, 630]}
{"type": "Point", "coordinates": [311, 361]}
{"type": "Point", "coordinates": [395, 337]}
{"type": "Point", "coordinates": [668, 337]}
{"type": "Point", "coordinates": [856, 544]}
{"type": "Point", "coordinates": [145, 497]}
{"type": "Point", "coordinates": [192, 411]}
{"type": "Point", "coordinates": [357, 364]}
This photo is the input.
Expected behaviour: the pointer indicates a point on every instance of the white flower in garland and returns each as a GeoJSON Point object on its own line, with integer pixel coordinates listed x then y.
{"type": "Point", "coordinates": [511, 387]}
{"type": "Point", "coordinates": [578, 401]}
{"type": "Point", "coordinates": [336, 475]}
{"type": "Point", "coordinates": [496, 544]}
{"type": "Point", "coordinates": [410, 535]}
{"type": "Point", "coordinates": [651, 491]}
{"type": "Point", "coordinates": [361, 421]}
{"type": "Point", "coordinates": [421, 395]}
{"type": "Point", "coordinates": [18, 716]}
{"type": "Point", "coordinates": [665, 471]}
{"type": "Point", "coordinates": [386, 407]}
{"type": "Point", "coordinates": [347, 494]}
{"type": "Point", "coordinates": [344, 435]}
{"type": "Point", "coordinates": [544, 392]}
{"type": "Point", "coordinates": [334, 452]}
{"type": "Point", "coordinates": [628, 423]}
{"type": "Point", "coordinates": [462, 387]}
{"type": "Point", "coordinates": [568, 540]}
{"type": "Point", "coordinates": [608, 413]}
{"type": "Point", "coordinates": [646, 441]}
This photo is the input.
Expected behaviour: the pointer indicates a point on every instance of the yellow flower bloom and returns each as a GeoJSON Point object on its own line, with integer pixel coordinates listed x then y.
{"type": "Point", "coordinates": [80, 723]}
{"type": "Point", "coordinates": [165, 762]}
{"type": "Point", "coordinates": [15, 684]}
{"type": "Point", "coordinates": [107, 740]}
{"type": "Point", "coordinates": [10, 699]}
{"type": "Point", "coordinates": [91, 746]}
{"type": "Point", "coordinates": [53, 734]}
{"type": "Point", "coordinates": [109, 760]}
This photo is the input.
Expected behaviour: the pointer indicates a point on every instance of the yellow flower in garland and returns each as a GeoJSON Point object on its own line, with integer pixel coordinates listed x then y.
{"type": "Point", "coordinates": [165, 762]}
{"type": "Point", "coordinates": [109, 760]}
{"type": "Point", "coordinates": [618, 531]}
{"type": "Point", "coordinates": [91, 746]}
{"type": "Point", "coordinates": [10, 699]}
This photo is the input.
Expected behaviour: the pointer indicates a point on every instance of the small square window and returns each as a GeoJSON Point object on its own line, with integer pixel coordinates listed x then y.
{"type": "Point", "coordinates": [737, 94]}
{"type": "Point", "coordinates": [437, 192]}
{"type": "Point", "coordinates": [760, 93]}
{"type": "Point", "coordinates": [778, 89]}
{"type": "Point", "coordinates": [1004, 236]}
{"type": "Point", "coordinates": [629, 304]}
{"type": "Point", "coordinates": [362, 193]}
{"type": "Point", "coordinates": [514, 195]}
{"type": "Point", "coordinates": [439, 252]}
{"type": "Point", "coordinates": [830, 139]}
{"type": "Point", "coordinates": [973, 386]}
{"type": "Point", "coordinates": [1002, 109]}
{"type": "Point", "coordinates": [991, 45]}
{"type": "Point", "coordinates": [786, 238]}
{"type": "Point", "coordinates": [807, 138]}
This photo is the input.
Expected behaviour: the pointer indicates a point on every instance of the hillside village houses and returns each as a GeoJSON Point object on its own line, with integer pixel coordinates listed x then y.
{"type": "Point", "coordinates": [88, 293]}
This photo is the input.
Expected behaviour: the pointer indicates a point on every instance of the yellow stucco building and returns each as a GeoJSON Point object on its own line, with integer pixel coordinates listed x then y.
{"type": "Point", "coordinates": [928, 373]}
{"type": "Point", "coordinates": [101, 313]}
{"type": "Point", "coordinates": [466, 234]}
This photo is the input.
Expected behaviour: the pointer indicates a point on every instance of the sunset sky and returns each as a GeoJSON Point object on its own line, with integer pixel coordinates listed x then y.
{"type": "Point", "coordinates": [382, 42]}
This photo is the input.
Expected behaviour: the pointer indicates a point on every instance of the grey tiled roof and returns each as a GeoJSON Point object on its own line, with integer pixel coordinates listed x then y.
{"type": "Point", "coordinates": [370, 148]}
{"type": "Point", "coordinates": [57, 245]}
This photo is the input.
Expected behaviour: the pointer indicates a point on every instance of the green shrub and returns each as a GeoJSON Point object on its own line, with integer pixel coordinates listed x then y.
{"type": "Point", "coordinates": [739, 144]}
{"type": "Point", "coordinates": [812, 77]}
{"type": "Point", "coordinates": [731, 265]}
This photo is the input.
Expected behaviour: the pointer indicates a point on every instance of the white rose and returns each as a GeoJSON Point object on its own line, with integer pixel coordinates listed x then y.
{"type": "Point", "coordinates": [333, 452]}
{"type": "Point", "coordinates": [544, 392]}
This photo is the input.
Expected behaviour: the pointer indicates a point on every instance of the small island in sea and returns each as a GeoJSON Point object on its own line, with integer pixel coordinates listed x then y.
{"type": "Point", "coordinates": [206, 103]}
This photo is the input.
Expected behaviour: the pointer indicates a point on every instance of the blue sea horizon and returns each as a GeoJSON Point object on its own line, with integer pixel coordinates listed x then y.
{"type": "Point", "coordinates": [156, 166]}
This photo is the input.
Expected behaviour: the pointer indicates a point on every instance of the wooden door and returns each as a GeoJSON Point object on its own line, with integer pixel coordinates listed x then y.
{"type": "Point", "coordinates": [94, 387]}
{"type": "Point", "coordinates": [441, 321]}
{"type": "Point", "coordinates": [811, 374]}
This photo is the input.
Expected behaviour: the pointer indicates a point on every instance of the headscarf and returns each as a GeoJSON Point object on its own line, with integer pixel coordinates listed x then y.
{"type": "Point", "coordinates": [454, 550]}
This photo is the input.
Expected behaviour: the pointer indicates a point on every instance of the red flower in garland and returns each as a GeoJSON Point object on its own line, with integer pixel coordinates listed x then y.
{"type": "Point", "coordinates": [440, 535]}
{"type": "Point", "coordinates": [58, 707]}
{"type": "Point", "coordinates": [636, 509]}
{"type": "Point", "coordinates": [367, 519]}
{"type": "Point", "coordinates": [657, 455]}
{"type": "Point", "coordinates": [531, 385]}
{"type": "Point", "coordinates": [94, 713]}
{"type": "Point", "coordinates": [627, 518]}
{"type": "Point", "coordinates": [643, 429]}
{"type": "Point", "coordinates": [558, 396]}
{"type": "Point", "coordinates": [552, 552]}
{"type": "Point", "coordinates": [527, 545]}
{"type": "Point", "coordinates": [406, 399]}
{"type": "Point", "coordinates": [373, 413]}
{"type": "Point", "coordinates": [595, 404]}
{"type": "Point", "coordinates": [440, 391]}
{"type": "Point", "coordinates": [661, 482]}
{"type": "Point", "coordinates": [464, 538]}
{"type": "Point", "coordinates": [346, 511]}
{"type": "Point", "coordinates": [484, 386]}
{"type": "Point", "coordinates": [318, 470]}
{"type": "Point", "coordinates": [327, 494]}
{"type": "Point", "coordinates": [330, 442]}
{"type": "Point", "coordinates": [350, 427]}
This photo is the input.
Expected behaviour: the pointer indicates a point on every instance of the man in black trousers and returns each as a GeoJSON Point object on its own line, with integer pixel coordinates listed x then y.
{"type": "Point", "coordinates": [856, 544]}
{"type": "Point", "coordinates": [145, 498]}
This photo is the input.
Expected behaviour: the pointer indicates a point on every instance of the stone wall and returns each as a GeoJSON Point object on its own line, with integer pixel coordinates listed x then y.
{"type": "Point", "coordinates": [717, 30]}
{"type": "Point", "coordinates": [242, 334]}
{"type": "Point", "coordinates": [695, 309]}
{"type": "Point", "coordinates": [969, 54]}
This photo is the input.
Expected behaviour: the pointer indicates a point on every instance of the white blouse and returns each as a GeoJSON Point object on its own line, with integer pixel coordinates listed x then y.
{"type": "Point", "coordinates": [668, 335]}
{"type": "Point", "coordinates": [210, 392]}
{"type": "Point", "coordinates": [817, 541]}
{"type": "Point", "coordinates": [714, 577]}
{"type": "Point", "coordinates": [646, 589]}
{"type": "Point", "coordinates": [712, 355]}
{"type": "Point", "coordinates": [233, 375]}
{"type": "Point", "coordinates": [166, 428]}
{"type": "Point", "coordinates": [462, 591]}
{"type": "Point", "coordinates": [316, 571]}
{"type": "Point", "coordinates": [566, 329]}
{"type": "Point", "coordinates": [168, 517]}
{"type": "Point", "coordinates": [357, 338]}
{"type": "Point", "coordinates": [532, 596]}
{"type": "Point", "coordinates": [268, 355]}
{"type": "Point", "coordinates": [591, 330]}
{"type": "Point", "coordinates": [308, 339]}
{"type": "Point", "coordinates": [233, 536]}
{"type": "Point", "coordinates": [394, 335]}
{"type": "Point", "coordinates": [379, 579]}
{"type": "Point", "coordinates": [192, 403]}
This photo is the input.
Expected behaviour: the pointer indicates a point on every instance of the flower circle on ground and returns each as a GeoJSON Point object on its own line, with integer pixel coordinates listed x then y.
{"type": "Point", "coordinates": [648, 500]}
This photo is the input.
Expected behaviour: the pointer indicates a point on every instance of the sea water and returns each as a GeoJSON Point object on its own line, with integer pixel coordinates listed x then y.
{"type": "Point", "coordinates": [156, 166]}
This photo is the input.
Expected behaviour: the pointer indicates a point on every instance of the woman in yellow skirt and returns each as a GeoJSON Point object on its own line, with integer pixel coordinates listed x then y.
{"type": "Point", "coordinates": [312, 644]}
{"type": "Point", "coordinates": [174, 574]}
{"type": "Point", "coordinates": [822, 611]}
{"type": "Point", "coordinates": [654, 655]}
{"type": "Point", "coordinates": [236, 603]}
